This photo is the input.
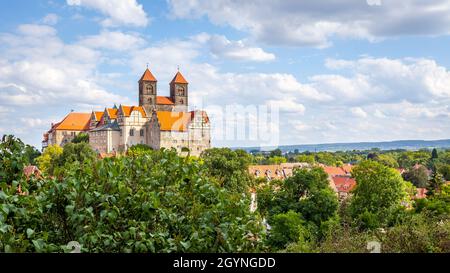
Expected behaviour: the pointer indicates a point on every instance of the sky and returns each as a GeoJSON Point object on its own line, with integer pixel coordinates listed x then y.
{"type": "Point", "coordinates": [325, 71]}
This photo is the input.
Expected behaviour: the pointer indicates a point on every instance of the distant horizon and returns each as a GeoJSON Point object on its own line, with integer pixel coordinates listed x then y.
{"type": "Point", "coordinates": [268, 148]}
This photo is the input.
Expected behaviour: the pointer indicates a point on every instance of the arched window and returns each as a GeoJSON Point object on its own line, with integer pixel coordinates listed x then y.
{"type": "Point", "coordinates": [150, 100]}
{"type": "Point", "coordinates": [149, 89]}
{"type": "Point", "coordinates": [181, 91]}
{"type": "Point", "coordinates": [181, 101]}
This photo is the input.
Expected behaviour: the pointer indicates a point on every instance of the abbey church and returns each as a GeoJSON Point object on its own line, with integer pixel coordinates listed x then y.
{"type": "Point", "coordinates": [158, 121]}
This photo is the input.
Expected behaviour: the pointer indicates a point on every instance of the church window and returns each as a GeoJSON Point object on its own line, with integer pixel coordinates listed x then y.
{"type": "Point", "coordinates": [181, 91]}
{"type": "Point", "coordinates": [149, 89]}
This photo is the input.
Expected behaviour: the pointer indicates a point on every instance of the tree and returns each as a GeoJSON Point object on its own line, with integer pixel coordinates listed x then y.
{"type": "Point", "coordinates": [49, 158]}
{"type": "Point", "coordinates": [155, 203]}
{"type": "Point", "coordinates": [139, 150]}
{"type": "Point", "coordinates": [285, 228]}
{"type": "Point", "coordinates": [379, 190]}
{"type": "Point", "coordinates": [387, 160]}
{"type": "Point", "coordinates": [13, 158]}
{"type": "Point", "coordinates": [81, 137]}
{"type": "Point", "coordinates": [79, 153]}
{"type": "Point", "coordinates": [305, 158]}
{"type": "Point", "coordinates": [436, 183]}
{"type": "Point", "coordinates": [276, 152]}
{"type": "Point", "coordinates": [444, 169]}
{"type": "Point", "coordinates": [228, 167]}
{"type": "Point", "coordinates": [417, 176]}
{"type": "Point", "coordinates": [434, 154]}
{"type": "Point", "coordinates": [276, 160]}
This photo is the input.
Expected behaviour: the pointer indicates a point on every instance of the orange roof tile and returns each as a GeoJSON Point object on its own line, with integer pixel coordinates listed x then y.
{"type": "Point", "coordinates": [112, 112]}
{"type": "Point", "coordinates": [148, 76]}
{"type": "Point", "coordinates": [98, 115]}
{"type": "Point", "coordinates": [344, 183]}
{"type": "Point", "coordinates": [164, 100]}
{"type": "Point", "coordinates": [75, 122]}
{"type": "Point", "coordinates": [173, 121]}
{"type": "Point", "coordinates": [264, 171]}
{"type": "Point", "coordinates": [179, 78]}
{"type": "Point", "coordinates": [127, 110]}
{"type": "Point", "coordinates": [334, 170]}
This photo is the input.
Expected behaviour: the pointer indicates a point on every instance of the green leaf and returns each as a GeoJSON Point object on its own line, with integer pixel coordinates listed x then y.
{"type": "Point", "coordinates": [30, 233]}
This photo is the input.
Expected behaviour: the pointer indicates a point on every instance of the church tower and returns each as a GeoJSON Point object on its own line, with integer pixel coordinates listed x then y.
{"type": "Point", "coordinates": [147, 91]}
{"type": "Point", "coordinates": [179, 92]}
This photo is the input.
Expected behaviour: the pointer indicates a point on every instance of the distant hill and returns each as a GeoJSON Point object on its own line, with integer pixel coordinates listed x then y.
{"type": "Point", "coordinates": [333, 147]}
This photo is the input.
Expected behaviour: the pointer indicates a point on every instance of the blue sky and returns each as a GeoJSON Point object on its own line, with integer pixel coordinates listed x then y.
{"type": "Point", "coordinates": [338, 71]}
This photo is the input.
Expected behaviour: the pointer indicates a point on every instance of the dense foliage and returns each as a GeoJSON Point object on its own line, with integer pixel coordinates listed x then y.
{"type": "Point", "coordinates": [158, 201]}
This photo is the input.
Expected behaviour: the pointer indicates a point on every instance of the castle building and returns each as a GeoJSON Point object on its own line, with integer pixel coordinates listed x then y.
{"type": "Point", "coordinates": [158, 121]}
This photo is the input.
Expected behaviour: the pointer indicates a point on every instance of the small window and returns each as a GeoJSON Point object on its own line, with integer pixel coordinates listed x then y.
{"type": "Point", "coordinates": [131, 132]}
{"type": "Point", "coordinates": [141, 132]}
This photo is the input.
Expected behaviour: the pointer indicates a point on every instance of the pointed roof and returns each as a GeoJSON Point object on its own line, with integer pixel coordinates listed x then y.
{"type": "Point", "coordinates": [178, 78]}
{"type": "Point", "coordinates": [148, 76]}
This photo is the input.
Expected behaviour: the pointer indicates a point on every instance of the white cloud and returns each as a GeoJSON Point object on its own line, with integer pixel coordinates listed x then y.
{"type": "Point", "coordinates": [358, 112]}
{"type": "Point", "coordinates": [114, 40]}
{"type": "Point", "coordinates": [237, 50]}
{"type": "Point", "coordinates": [316, 23]}
{"type": "Point", "coordinates": [50, 19]}
{"type": "Point", "coordinates": [38, 68]}
{"type": "Point", "coordinates": [119, 12]}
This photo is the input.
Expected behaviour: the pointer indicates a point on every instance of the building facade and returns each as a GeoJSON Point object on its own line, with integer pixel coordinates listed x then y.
{"type": "Point", "coordinates": [158, 121]}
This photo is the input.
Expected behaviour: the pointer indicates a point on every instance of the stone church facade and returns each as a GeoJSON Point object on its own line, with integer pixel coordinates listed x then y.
{"type": "Point", "coordinates": [158, 121]}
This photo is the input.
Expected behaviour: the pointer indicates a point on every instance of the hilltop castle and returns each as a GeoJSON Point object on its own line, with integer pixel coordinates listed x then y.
{"type": "Point", "coordinates": [158, 122]}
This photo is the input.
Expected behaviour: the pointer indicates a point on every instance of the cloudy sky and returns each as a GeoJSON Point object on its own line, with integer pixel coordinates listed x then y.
{"type": "Point", "coordinates": [339, 70]}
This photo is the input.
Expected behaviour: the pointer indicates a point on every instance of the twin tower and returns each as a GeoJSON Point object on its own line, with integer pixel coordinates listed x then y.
{"type": "Point", "coordinates": [148, 98]}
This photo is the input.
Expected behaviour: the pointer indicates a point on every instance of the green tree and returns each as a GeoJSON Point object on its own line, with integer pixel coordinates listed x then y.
{"type": "Point", "coordinates": [379, 190]}
{"type": "Point", "coordinates": [436, 183]}
{"type": "Point", "coordinates": [158, 202]}
{"type": "Point", "coordinates": [444, 169]}
{"type": "Point", "coordinates": [276, 160]}
{"type": "Point", "coordinates": [49, 158]}
{"type": "Point", "coordinates": [276, 152]}
{"type": "Point", "coordinates": [79, 153]}
{"type": "Point", "coordinates": [229, 168]}
{"type": "Point", "coordinates": [305, 158]}
{"type": "Point", "coordinates": [417, 176]}
{"type": "Point", "coordinates": [387, 160]}
{"type": "Point", "coordinates": [434, 154]}
{"type": "Point", "coordinates": [81, 138]}
{"type": "Point", "coordinates": [13, 158]}
{"type": "Point", "coordinates": [286, 228]}
{"type": "Point", "coordinates": [139, 150]}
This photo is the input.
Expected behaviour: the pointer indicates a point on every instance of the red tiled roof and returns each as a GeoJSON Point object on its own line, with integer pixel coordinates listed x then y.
{"type": "Point", "coordinates": [334, 170]}
{"type": "Point", "coordinates": [421, 193]}
{"type": "Point", "coordinates": [112, 112]}
{"type": "Point", "coordinates": [31, 170]}
{"type": "Point", "coordinates": [164, 100]}
{"type": "Point", "coordinates": [148, 76]}
{"type": "Point", "coordinates": [75, 122]}
{"type": "Point", "coordinates": [127, 110]}
{"type": "Point", "coordinates": [344, 183]}
{"type": "Point", "coordinates": [264, 171]}
{"type": "Point", "coordinates": [179, 78]}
